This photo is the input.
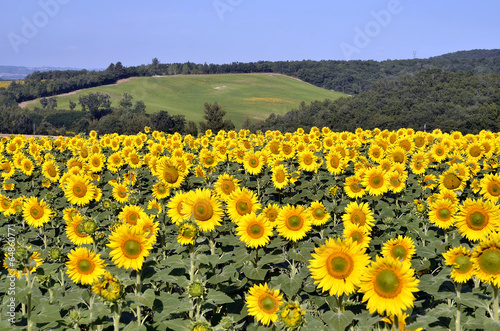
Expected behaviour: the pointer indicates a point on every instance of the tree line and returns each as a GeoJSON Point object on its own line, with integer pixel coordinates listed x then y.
{"type": "Point", "coordinates": [349, 77]}
{"type": "Point", "coordinates": [427, 100]}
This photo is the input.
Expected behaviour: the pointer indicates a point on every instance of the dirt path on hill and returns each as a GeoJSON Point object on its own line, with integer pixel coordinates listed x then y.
{"type": "Point", "coordinates": [30, 102]}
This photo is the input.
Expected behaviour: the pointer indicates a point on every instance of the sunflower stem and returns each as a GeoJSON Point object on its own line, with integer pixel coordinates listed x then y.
{"type": "Point", "coordinates": [116, 317]}
{"type": "Point", "coordinates": [458, 288]}
{"type": "Point", "coordinates": [28, 306]}
{"type": "Point", "coordinates": [138, 290]}
{"type": "Point", "coordinates": [339, 303]}
{"type": "Point", "coordinates": [396, 322]}
{"type": "Point", "coordinates": [496, 308]}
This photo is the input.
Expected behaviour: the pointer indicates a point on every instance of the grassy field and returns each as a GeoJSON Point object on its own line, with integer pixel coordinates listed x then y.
{"type": "Point", "coordinates": [242, 95]}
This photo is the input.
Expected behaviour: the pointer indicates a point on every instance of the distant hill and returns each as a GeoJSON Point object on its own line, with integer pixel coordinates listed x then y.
{"type": "Point", "coordinates": [469, 55]}
{"type": "Point", "coordinates": [19, 72]}
{"type": "Point", "coordinates": [252, 96]}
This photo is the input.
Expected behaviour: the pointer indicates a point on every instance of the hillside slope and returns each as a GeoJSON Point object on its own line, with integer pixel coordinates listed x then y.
{"type": "Point", "coordinates": [253, 96]}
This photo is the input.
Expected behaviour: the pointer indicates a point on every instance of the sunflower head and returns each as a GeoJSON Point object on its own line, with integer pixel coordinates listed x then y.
{"type": "Point", "coordinates": [188, 232]}
{"type": "Point", "coordinates": [459, 258]}
{"type": "Point", "coordinates": [263, 303]}
{"type": "Point", "coordinates": [197, 289]}
{"type": "Point", "coordinates": [291, 316]}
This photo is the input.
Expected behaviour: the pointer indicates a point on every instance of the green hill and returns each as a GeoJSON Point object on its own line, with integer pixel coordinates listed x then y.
{"type": "Point", "coordinates": [253, 96]}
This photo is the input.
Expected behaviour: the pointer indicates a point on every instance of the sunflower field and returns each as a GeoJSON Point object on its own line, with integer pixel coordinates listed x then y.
{"type": "Point", "coordinates": [318, 230]}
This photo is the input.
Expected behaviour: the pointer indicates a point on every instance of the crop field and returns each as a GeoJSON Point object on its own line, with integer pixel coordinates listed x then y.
{"type": "Point", "coordinates": [253, 96]}
{"type": "Point", "coordinates": [318, 230]}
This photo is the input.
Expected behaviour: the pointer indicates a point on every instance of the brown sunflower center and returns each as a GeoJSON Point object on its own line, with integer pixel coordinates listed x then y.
{"type": "Point", "coordinates": [387, 284]}
{"type": "Point", "coordinates": [202, 210]}
{"type": "Point", "coordinates": [85, 266]}
{"type": "Point", "coordinates": [358, 217]}
{"type": "Point", "coordinates": [253, 162]}
{"type": "Point", "coordinates": [399, 252]}
{"type": "Point", "coordinates": [170, 174]}
{"type": "Point", "coordinates": [398, 157]}
{"type": "Point", "coordinates": [319, 213]}
{"type": "Point", "coordinates": [79, 190]}
{"type": "Point", "coordinates": [494, 189]}
{"type": "Point", "coordinates": [280, 176]}
{"type": "Point", "coordinates": [477, 220]}
{"type": "Point", "coordinates": [376, 181]}
{"type": "Point", "coordinates": [451, 181]}
{"type": "Point", "coordinates": [355, 187]}
{"type": "Point", "coordinates": [121, 192]}
{"type": "Point", "coordinates": [444, 214]}
{"type": "Point", "coordinates": [227, 187]}
{"type": "Point", "coordinates": [357, 237]}
{"type": "Point", "coordinates": [294, 222]}
{"type": "Point", "coordinates": [255, 230]}
{"type": "Point", "coordinates": [489, 261]}
{"type": "Point", "coordinates": [268, 304]}
{"type": "Point", "coordinates": [243, 207]}
{"type": "Point", "coordinates": [51, 171]}
{"type": "Point", "coordinates": [475, 151]}
{"type": "Point", "coordinates": [339, 265]}
{"type": "Point", "coordinates": [463, 264]}
{"type": "Point", "coordinates": [132, 218]}
{"type": "Point", "coordinates": [334, 162]}
{"type": "Point", "coordinates": [36, 212]}
{"type": "Point", "coordinates": [132, 248]}
{"type": "Point", "coordinates": [161, 189]}
{"type": "Point", "coordinates": [80, 230]}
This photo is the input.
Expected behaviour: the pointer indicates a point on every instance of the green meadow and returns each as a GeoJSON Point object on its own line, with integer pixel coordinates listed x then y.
{"type": "Point", "coordinates": [253, 96]}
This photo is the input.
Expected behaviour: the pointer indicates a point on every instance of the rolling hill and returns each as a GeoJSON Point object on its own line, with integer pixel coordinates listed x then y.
{"type": "Point", "coordinates": [253, 96]}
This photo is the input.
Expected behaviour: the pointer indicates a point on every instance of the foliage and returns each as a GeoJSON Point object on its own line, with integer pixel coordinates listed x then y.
{"type": "Point", "coordinates": [427, 100]}
{"type": "Point", "coordinates": [214, 119]}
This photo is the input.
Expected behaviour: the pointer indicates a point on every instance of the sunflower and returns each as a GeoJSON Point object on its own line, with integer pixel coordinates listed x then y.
{"type": "Point", "coordinates": [452, 180]}
{"type": "Point", "coordinates": [109, 287]}
{"type": "Point", "coordinates": [36, 213]}
{"type": "Point", "coordinates": [96, 162]}
{"type": "Point", "coordinates": [76, 231]}
{"type": "Point", "coordinates": [397, 181]}
{"type": "Point", "coordinates": [114, 162]}
{"type": "Point", "coordinates": [337, 266]}
{"type": "Point", "coordinates": [154, 204]}
{"type": "Point", "coordinates": [293, 222]}
{"type": "Point", "coordinates": [4, 203]}
{"type": "Point", "coordinates": [376, 181]}
{"type": "Point", "coordinates": [459, 258]}
{"type": "Point", "coordinates": [360, 214]}
{"type": "Point", "coordinates": [204, 207]}
{"type": "Point", "coordinates": [120, 193]}
{"type": "Point", "coordinates": [388, 286]}
{"type": "Point", "coordinates": [208, 159]}
{"type": "Point", "coordinates": [149, 227]}
{"type": "Point", "coordinates": [400, 249]}
{"type": "Point", "coordinates": [376, 152]}
{"type": "Point", "coordinates": [50, 170]}
{"type": "Point", "coordinates": [84, 266]}
{"type": "Point", "coordinates": [241, 202]}
{"type": "Point", "coordinates": [353, 187]}
{"type": "Point", "coordinates": [160, 190]}
{"type": "Point", "coordinates": [291, 316]}
{"type": "Point", "coordinates": [335, 163]}
{"type": "Point", "coordinates": [475, 150]}
{"type": "Point", "coordinates": [428, 182]}
{"type": "Point", "coordinates": [225, 185]}
{"type": "Point", "coordinates": [34, 262]}
{"type": "Point", "coordinates": [169, 172]}
{"type": "Point", "coordinates": [280, 176]}
{"type": "Point", "coordinates": [134, 160]}
{"type": "Point", "coordinates": [442, 213]}
{"type": "Point", "coordinates": [477, 218]}
{"type": "Point", "coordinates": [7, 169]}
{"type": "Point", "coordinates": [175, 207]}
{"type": "Point", "coordinates": [253, 163]}
{"type": "Point", "coordinates": [132, 214]}
{"type": "Point", "coordinates": [439, 152]}
{"type": "Point", "coordinates": [356, 233]}
{"type": "Point", "coordinates": [263, 303]}
{"type": "Point", "coordinates": [79, 190]}
{"type": "Point", "coordinates": [254, 230]}
{"type": "Point", "coordinates": [188, 232]}
{"type": "Point", "coordinates": [486, 260]}
{"type": "Point", "coordinates": [16, 206]}
{"type": "Point", "coordinates": [130, 246]}
{"type": "Point", "coordinates": [398, 155]}
{"type": "Point", "coordinates": [27, 166]}
{"type": "Point", "coordinates": [318, 213]}
{"type": "Point", "coordinates": [271, 213]}
{"type": "Point", "coordinates": [419, 163]}
{"type": "Point", "coordinates": [490, 187]}
{"type": "Point", "coordinates": [308, 161]}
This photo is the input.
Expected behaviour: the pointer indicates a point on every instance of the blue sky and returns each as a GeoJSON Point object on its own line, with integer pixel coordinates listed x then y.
{"type": "Point", "coordinates": [93, 34]}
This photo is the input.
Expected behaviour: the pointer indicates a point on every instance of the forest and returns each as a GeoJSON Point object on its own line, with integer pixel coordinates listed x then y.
{"type": "Point", "coordinates": [456, 91]}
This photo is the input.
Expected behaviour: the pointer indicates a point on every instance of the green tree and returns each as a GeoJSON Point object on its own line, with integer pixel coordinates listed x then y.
{"type": "Point", "coordinates": [214, 119]}
{"type": "Point", "coordinates": [97, 103]}
{"type": "Point", "coordinates": [72, 105]}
